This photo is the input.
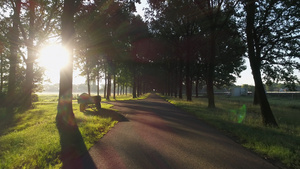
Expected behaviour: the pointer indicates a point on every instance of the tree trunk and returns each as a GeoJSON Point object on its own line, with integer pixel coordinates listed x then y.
{"type": "Point", "coordinates": [188, 80]}
{"type": "Point", "coordinates": [13, 40]}
{"type": "Point", "coordinates": [1, 73]}
{"type": "Point", "coordinates": [188, 83]}
{"type": "Point", "coordinates": [210, 70]}
{"type": "Point", "coordinates": [30, 59]}
{"type": "Point", "coordinates": [114, 86]}
{"type": "Point", "coordinates": [123, 88]}
{"type": "Point", "coordinates": [88, 76]}
{"type": "Point", "coordinates": [108, 85]}
{"type": "Point", "coordinates": [180, 84]}
{"type": "Point", "coordinates": [134, 85]}
{"type": "Point", "coordinates": [196, 87]}
{"type": "Point", "coordinates": [65, 116]}
{"type": "Point", "coordinates": [267, 114]}
{"type": "Point", "coordinates": [175, 82]}
{"type": "Point", "coordinates": [138, 86]}
{"type": "Point", "coordinates": [105, 84]}
{"type": "Point", "coordinates": [72, 144]}
{"type": "Point", "coordinates": [255, 97]}
{"type": "Point", "coordinates": [118, 89]}
{"type": "Point", "coordinates": [98, 84]}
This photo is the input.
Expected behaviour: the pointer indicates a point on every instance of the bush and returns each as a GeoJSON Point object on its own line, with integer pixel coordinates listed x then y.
{"type": "Point", "coordinates": [34, 98]}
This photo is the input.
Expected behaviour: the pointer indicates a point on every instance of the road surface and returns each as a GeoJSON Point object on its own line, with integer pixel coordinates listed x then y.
{"type": "Point", "coordinates": [156, 134]}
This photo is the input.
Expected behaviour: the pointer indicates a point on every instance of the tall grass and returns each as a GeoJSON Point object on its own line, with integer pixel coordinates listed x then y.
{"type": "Point", "coordinates": [276, 144]}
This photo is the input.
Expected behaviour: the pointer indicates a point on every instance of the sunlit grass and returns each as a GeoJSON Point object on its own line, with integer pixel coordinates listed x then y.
{"type": "Point", "coordinates": [277, 144]}
{"type": "Point", "coordinates": [31, 139]}
{"type": "Point", "coordinates": [129, 97]}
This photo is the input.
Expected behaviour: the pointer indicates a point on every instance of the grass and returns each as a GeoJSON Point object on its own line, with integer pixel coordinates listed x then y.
{"type": "Point", "coordinates": [30, 139]}
{"type": "Point", "coordinates": [244, 124]}
{"type": "Point", "coordinates": [129, 97]}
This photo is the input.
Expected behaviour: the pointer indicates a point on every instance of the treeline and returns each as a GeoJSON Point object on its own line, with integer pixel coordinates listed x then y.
{"type": "Point", "coordinates": [177, 45]}
{"type": "Point", "coordinates": [82, 88]}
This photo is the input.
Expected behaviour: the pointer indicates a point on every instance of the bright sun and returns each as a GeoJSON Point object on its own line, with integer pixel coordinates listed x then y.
{"type": "Point", "coordinates": [53, 57]}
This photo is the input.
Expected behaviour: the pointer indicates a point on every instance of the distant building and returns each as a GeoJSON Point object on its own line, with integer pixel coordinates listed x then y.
{"type": "Point", "coordinates": [238, 91]}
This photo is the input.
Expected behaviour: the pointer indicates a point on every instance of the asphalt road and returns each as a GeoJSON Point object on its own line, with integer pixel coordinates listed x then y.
{"type": "Point", "coordinates": [156, 134]}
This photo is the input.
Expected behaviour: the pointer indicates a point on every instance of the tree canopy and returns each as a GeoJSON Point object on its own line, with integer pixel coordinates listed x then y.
{"type": "Point", "coordinates": [176, 46]}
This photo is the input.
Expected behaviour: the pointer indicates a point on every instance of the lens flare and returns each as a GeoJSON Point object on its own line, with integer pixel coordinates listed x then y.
{"type": "Point", "coordinates": [239, 114]}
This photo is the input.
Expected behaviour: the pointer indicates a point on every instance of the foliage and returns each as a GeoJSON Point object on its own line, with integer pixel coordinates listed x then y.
{"type": "Point", "coordinates": [33, 22]}
{"type": "Point", "coordinates": [108, 42]}
{"type": "Point", "coordinates": [200, 42]}
{"type": "Point", "coordinates": [276, 31]}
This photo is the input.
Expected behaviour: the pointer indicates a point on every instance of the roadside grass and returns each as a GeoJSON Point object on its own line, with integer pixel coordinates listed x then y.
{"type": "Point", "coordinates": [48, 97]}
{"type": "Point", "coordinates": [129, 97]}
{"type": "Point", "coordinates": [54, 97]}
{"type": "Point", "coordinates": [30, 139]}
{"type": "Point", "coordinates": [244, 124]}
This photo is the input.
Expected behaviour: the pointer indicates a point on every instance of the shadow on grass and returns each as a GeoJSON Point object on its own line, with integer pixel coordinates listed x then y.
{"type": "Point", "coordinates": [6, 120]}
{"type": "Point", "coordinates": [106, 113]}
{"type": "Point", "coordinates": [74, 154]}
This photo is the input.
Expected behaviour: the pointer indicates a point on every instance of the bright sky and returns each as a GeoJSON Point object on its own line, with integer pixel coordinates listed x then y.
{"type": "Point", "coordinates": [53, 58]}
{"type": "Point", "coordinates": [246, 76]}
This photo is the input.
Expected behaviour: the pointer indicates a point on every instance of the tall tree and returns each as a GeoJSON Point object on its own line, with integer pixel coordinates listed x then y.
{"type": "Point", "coordinates": [72, 144]}
{"type": "Point", "coordinates": [199, 30]}
{"type": "Point", "coordinates": [217, 15]}
{"type": "Point", "coordinates": [272, 31]}
{"type": "Point", "coordinates": [268, 117]}
{"type": "Point", "coordinates": [65, 115]}
{"type": "Point", "coordinates": [14, 42]}
{"type": "Point", "coordinates": [34, 26]}
{"type": "Point", "coordinates": [4, 61]}
{"type": "Point", "coordinates": [31, 56]}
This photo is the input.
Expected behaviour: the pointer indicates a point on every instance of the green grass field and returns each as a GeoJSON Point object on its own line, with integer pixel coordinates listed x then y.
{"type": "Point", "coordinates": [30, 139]}
{"type": "Point", "coordinates": [241, 120]}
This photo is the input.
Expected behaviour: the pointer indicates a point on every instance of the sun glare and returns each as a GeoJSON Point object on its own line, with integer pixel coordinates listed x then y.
{"type": "Point", "coordinates": [53, 57]}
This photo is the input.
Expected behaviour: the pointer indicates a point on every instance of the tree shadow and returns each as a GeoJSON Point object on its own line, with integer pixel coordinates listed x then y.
{"type": "Point", "coordinates": [106, 113]}
{"type": "Point", "coordinates": [6, 119]}
{"type": "Point", "coordinates": [74, 154]}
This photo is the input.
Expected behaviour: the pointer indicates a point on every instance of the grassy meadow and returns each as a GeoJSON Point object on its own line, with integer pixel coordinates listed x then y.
{"type": "Point", "coordinates": [241, 120]}
{"type": "Point", "coordinates": [30, 139]}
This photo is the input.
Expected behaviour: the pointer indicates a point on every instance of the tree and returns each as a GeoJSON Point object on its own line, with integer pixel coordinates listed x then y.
{"type": "Point", "coordinates": [33, 26]}
{"type": "Point", "coordinates": [267, 114]}
{"type": "Point", "coordinates": [273, 41]}
{"type": "Point", "coordinates": [200, 42]}
{"type": "Point", "coordinates": [39, 27]}
{"type": "Point", "coordinates": [4, 63]}
{"type": "Point", "coordinates": [65, 115]}
{"type": "Point", "coordinates": [72, 144]}
{"type": "Point", "coordinates": [14, 42]}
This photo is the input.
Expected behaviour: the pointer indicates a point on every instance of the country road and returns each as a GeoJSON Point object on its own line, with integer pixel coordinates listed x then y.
{"type": "Point", "coordinates": [156, 134]}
